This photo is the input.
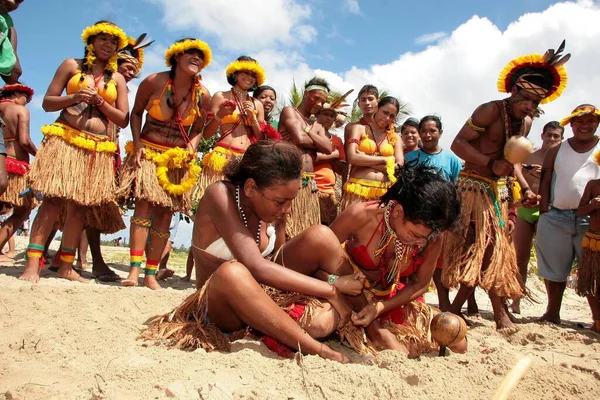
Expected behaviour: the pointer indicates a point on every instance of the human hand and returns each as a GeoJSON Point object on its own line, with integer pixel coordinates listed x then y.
{"type": "Point", "coordinates": [84, 94]}
{"type": "Point", "coordinates": [502, 168]}
{"type": "Point", "coordinates": [367, 315]}
{"type": "Point", "coordinates": [595, 202]}
{"type": "Point", "coordinates": [226, 108]}
{"type": "Point", "coordinates": [510, 227]}
{"type": "Point", "coordinates": [530, 199]}
{"type": "Point", "coordinates": [350, 284]}
{"type": "Point", "coordinates": [140, 153]}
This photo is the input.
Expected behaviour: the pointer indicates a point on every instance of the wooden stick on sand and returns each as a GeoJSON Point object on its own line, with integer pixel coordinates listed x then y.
{"type": "Point", "coordinates": [513, 377]}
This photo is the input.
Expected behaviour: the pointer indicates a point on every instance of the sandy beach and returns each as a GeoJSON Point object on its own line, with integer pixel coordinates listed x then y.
{"type": "Point", "coordinates": [63, 340]}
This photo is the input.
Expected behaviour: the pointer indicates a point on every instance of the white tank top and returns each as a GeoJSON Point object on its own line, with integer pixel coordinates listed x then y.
{"type": "Point", "coordinates": [572, 171]}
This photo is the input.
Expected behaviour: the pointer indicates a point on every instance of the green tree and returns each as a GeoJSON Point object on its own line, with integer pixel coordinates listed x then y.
{"type": "Point", "coordinates": [295, 96]}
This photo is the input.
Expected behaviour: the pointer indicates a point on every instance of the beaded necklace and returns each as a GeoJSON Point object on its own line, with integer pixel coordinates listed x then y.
{"type": "Point", "coordinates": [243, 214]}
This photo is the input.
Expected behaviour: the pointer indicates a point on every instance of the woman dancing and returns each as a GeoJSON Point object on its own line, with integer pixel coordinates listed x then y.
{"type": "Point", "coordinates": [75, 162]}
{"type": "Point", "coordinates": [161, 169]}
{"type": "Point", "coordinates": [238, 116]}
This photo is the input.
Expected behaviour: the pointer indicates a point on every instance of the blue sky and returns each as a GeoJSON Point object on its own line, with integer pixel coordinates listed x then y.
{"type": "Point", "coordinates": [441, 57]}
{"type": "Point", "coordinates": [375, 34]}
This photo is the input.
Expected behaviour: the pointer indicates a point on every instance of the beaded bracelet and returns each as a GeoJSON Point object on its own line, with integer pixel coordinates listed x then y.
{"type": "Point", "coordinates": [332, 279]}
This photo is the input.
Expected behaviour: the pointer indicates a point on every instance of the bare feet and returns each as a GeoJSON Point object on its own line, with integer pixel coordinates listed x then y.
{"type": "Point", "coordinates": [553, 319]}
{"type": "Point", "coordinates": [7, 258]}
{"type": "Point", "coordinates": [11, 254]}
{"type": "Point", "coordinates": [132, 278]}
{"type": "Point", "coordinates": [31, 274]}
{"type": "Point", "coordinates": [504, 325]}
{"type": "Point", "coordinates": [516, 306]}
{"type": "Point", "coordinates": [164, 273]}
{"type": "Point", "coordinates": [186, 278]}
{"type": "Point", "coordinates": [329, 354]}
{"type": "Point", "coordinates": [151, 282]}
{"type": "Point", "coordinates": [70, 274]}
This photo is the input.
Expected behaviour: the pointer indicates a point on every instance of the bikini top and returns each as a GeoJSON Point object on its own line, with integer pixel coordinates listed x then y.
{"type": "Point", "coordinates": [220, 250]}
{"type": "Point", "coordinates": [370, 147]}
{"type": "Point", "coordinates": [156, 112]}
{"type": "Point", "coordinates": [361, 257]}
{"type": "Point", "coordinates": [108, 91]}
{"type": "Point", "coordinates": [234, 118]}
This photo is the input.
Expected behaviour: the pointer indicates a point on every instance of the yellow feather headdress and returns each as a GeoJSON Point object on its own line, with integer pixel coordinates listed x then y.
{"type": "Point", "coordinates": [549, 66]}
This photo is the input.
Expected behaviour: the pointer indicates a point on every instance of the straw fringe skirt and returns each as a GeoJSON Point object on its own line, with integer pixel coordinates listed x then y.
{"type": "Point", "coordinates": [142, 183]}
{"type": "Point", "coordinates": [484, 210]}
{"type": "Point", "coordinates": [358, 190]}
{"type": "Point", "coordinates": [65, 171]}
{"type": "Point", "coordinates": [188, 326]}
{"type": "Point", "coordinates": [17, 182]}
{"type": "Point", "coordinates": [414, 332]}
{"type": "Point", "coordinates": [588, 271]}
{"type": "Point", "coordinates": [213, 165]}
{"type": "Point", "coordinates": [305, 212]}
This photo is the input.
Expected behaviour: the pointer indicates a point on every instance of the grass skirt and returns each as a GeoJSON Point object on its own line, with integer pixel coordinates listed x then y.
{"type": "Point", "coordinates": [305, 211]}
{"type": "Point", "coordinates": [414, 331]}
{"type": "Point", "coordinates": [484, 214]}
{"type": "Point", "coordinates": [68, 172]}
{"type": "Point", "coordinates": [588, 271]}
{"type": "Point", "coordinates": [17, 182]}
{"type": "Point", "coordinates": [213, 165]}
{"type": "Point", "coordinates": [359, 190]}
{"type": "Point", "coordinates": [328, 206]}
{"type": "Point", "coordinates": [106, 218]}
{"type": "Point", "coordinates": [142, 183]}
{"type": "Point", "coordinates": [188, 326]}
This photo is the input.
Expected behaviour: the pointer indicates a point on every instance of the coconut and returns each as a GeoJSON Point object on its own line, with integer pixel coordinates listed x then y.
{"type": "Point", "coordinates": [448, 329]}
{"type": "Point", "coordinates": [517, 149]}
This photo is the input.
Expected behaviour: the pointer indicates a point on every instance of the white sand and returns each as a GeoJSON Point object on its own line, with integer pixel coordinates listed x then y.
{"type": "Point", "coordinates": [63, 340]}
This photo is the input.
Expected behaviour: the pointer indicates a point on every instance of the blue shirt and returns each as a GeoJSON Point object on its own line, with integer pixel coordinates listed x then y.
{"type": "Point", "coordinates": [445, 161]}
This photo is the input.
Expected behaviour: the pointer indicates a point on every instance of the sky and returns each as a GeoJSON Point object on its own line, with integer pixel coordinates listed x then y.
{"type": "Point", "coordinates": [441, 57]}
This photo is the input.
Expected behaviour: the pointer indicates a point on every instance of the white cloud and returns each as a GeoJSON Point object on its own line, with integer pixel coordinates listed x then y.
{"type": "Point", "coordinates": [430, 37]}
{"type": "Point", "coordinates": [242, 24]}
{"type": "Point", "coordinates": [453, 77]}
{"type": "Point", "coordinates": [352, 6]}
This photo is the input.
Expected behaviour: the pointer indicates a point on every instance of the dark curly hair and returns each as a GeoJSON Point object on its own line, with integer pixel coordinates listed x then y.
{"type": "Point", "coordinates": [426, 197]}
{"type": "Point", "coordinates": [268, 163]}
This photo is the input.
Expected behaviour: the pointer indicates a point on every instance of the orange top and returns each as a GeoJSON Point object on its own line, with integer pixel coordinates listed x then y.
{"type": "Point", "coordinates": [155, 111]}
{"type": "Point", "coordinates": [324, 175]}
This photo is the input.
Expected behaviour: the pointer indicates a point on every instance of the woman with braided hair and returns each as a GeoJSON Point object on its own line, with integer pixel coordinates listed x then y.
{"type": "Point", "coordinates": [161, 166]}
{"type": "Point", "coordinates": [75, 163]}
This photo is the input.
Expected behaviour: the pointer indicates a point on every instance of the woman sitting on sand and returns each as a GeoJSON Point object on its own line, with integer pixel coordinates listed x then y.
{"type": "Point", "coordinates": [232, 241]}
{"type": "Point", "coordinates": [395, 243]}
